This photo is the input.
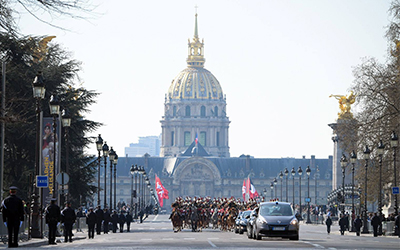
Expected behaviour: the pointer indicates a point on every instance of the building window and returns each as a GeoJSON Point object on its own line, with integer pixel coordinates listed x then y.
{"type": "Point", "coordinates": [217, 139]}
{"type": "Point", "coordinates": [187, 111]}
{"type": "Point", "coordinates": [187, 138]}
{"type": "Point", "coordinates": [174, 111]}
{"type": "Point", "coordinates": [203, 111]}
{"type": "Point", "coordinates": [202, 138]}
{"type": "Point", "coordinates": [172, 138]}
{"type": "Point", "coordinates": [216, 111]}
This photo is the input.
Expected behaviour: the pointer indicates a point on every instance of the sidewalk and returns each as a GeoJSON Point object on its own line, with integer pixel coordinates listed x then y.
{"type": "Point", "coordinates": [335, 230]}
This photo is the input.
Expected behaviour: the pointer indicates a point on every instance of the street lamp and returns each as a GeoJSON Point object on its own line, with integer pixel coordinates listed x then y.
{"type": "Point", "coordinates": [265, 194]}
{"type": "Point", "coordinates": [105, 154]}
{"type": "Point", "coordinates": [308, 172]}
{"type": "Point", "coordinates": [272, 190]}
{"type": "Point", "coordinates": [54, 111]}
{"type": "Point", "coordinates": [38, 93]}
{"type": "Point", "coordinates": [380, 151]}
{"type": "Point", "coordinates": [275, 183]}
{"type": "Point", "coordinates": [343, 164]}
{"type": "Point", "coordinates": [148, 187]}
{"type": "Point", "coordinates": [293, 174]}
{"type": "Point", "coordinates": [365, 219]}
{"type": "Point", "coordinates": [394, 143]}
{"type": "Point", "coordinates": [316, 177]}
{"type": "Point", "coordinates": [353, 160]}
{"type": "Point", "coordinates": [300, 172]}
{"type": "Point", "coordinates": [66, 123]}
{"type": "Point", "coordinates": [144, 175]}
{"type": "Point", "coordinates": [287, 191]}
{"type": "Point", "coordinates": [99, 146]}
{"type": "Point", "coordinates": [111, 156]}
{"type": "Point", "coordinates": [115, 180]}
{"type": "Point", "coordinates": [281, 177]}
{"type": "Point", "coordinates": [134, 171]}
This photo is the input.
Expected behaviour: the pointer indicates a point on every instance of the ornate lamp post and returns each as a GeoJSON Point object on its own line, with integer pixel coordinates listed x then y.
{"type": "Point", "coordinates": [144, 175]}
{"type": "Point", "coordinates": [287, 191]}
{"type": "Point", "coordinates": [281, 177]}
{"type": "Point", "coordinates": [54, 111]}
{"type": "Point", "coordinates": [380, 151]}
{"type": "Point", "coordinates": [99, 146]}
{"type": "Point", "coordinates": [353, 160]}
{"type": "Point", "coordinates": [111, 156]}
{"type": "Point", "coordinates": [66, 123]}
{"type": "Point", "coordinates": [343, 164]}
{"type": "Point", "coordinates": [316, 177]}
{"type": "Point", "coordinates": [265, 194]}
{"type": "Point", "coordinates": [275, 183]}
{"type": "Point", "coordinates": [134, 171]}
{"type": "Point", "coordinates": [308, 172]}
{"type": "Point", "coordinates": [293, 174]}
{"type": "Point", "coordinates": [38, 93]}
{"type": "Point", "coordinates": [148, 187]}
{"type": "Point", "coordinates": [300, 172]}
{"type": "Point", "coordinates": [272, 190]}
{"type": "Point", "coordinates": [365, 219]}
{"type": "Point", "coordinates": [115, 180]}
{"type": "Point", "coordinates": [394, 143]}
{"type": "Point", "coordinates": [105, 154]}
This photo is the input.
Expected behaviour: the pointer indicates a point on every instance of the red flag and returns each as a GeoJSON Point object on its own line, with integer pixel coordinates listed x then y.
{"type": "Point", "coordinates": [162, 192]}
{"type": "Point", "coordinates": [244, 190]}
{"type": "Point", "coordinates": [248, 189]}
{"type": "Point", "coordinates": [253, 192]}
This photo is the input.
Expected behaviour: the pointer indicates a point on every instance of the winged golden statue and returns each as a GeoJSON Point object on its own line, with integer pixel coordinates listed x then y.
{"type": "Point", "coordinates": [345, 103]}
{"type": "Point", "coordinates": [40, 51]}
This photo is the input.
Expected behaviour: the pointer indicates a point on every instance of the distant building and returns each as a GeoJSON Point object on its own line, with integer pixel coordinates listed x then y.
{"type": "Point", "coordinates": [147, 145]}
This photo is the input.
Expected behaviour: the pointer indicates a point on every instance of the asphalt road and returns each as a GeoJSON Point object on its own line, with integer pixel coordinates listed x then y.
{"type": "Point", "coordinates": [156, 233]}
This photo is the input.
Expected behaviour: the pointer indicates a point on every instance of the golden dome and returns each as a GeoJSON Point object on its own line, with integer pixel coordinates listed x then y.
{"type": "Point", "coordinates": [195, 82]}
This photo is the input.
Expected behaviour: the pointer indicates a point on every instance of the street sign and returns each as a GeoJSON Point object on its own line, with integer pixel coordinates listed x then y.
{"type": "Point", "coordinates": [307, 199]}
{"type": "Point", "coordinates": [395, 190]}
{"type": "Point", "coordinates": [59, 178]}
{"type": "Point", "coordinates": [42, 181]}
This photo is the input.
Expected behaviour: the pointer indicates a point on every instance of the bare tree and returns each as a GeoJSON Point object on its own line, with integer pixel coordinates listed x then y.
{"type": "Point", "coordinates": [77, 9]}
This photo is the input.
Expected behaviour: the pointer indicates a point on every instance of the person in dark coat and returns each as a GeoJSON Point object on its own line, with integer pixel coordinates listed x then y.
{"type": "Point", "coordinates": [107, 220]}
{"type": "Point", "coordinates": [357, 225]}
{"type": "Point", "coordinates": [328, 223]}
{"type": "Point", "coordinates": [68, 217]}
{"type": "Point", "coordinates": [91, 222]}
{"type": "Point", "coordinates": [128, 219]}
{"type": "Point", "coordinates": [376, 223]}
{"type": "Point", "coordinates": [99, 218]}
{"type": "Point", "coordinates": [121, 221]}
{"type": "Point", "coordinates": [114, 220]}
{"type": "Point", "coordinates": [194, 217]}
{"type": "Point", "coordinates": [397, 225]}
{"type": "Point", "coordinates": [342, 224]}
{"type": "Point", "coordinates": [13, 216]}
{"type": "Point", "coordinates": [53, 217]}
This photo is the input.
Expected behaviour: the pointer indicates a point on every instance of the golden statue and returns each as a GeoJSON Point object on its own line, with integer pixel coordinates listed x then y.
{"type": "Point", "coordinates": [40, 51]}
{"type": "Point", "coordinates": [345, 105]}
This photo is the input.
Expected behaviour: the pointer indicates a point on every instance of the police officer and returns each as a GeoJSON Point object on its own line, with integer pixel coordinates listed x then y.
{"type": "Point", "coordinates": [52, 215]}
{"type": "Point", "coordinates": [129, 219]}
{"type": "Point", "coordinates": [99, 218]}
{"type": "Point", "coordinates": [121, 221]}
{"type": "Point", "coordinates": [107, 220]}
{"type": "Point", "coordinates": [358, 224]}
{"type": "Point", "coordinates": [68, 217]}
{"type": "Point", "coordinates": [328, 223]}
{"type": "Point", "coordinates": [114, 219]}
{"type": "Point", "coordinates": [342, 224]}
{"type": "Point", "coordinates": [91, 222]}
{"type": "Point", "coordinates": [13, 216]}
{"type": "Point", "coordinates": [376, 223]}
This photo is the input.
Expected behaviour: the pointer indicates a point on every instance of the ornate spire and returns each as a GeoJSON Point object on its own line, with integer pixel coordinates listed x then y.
{"type": "Point", "coordinates": [196, 50]}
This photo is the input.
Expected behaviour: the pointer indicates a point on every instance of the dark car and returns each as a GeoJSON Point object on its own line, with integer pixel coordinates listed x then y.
{"type": "Point", "coordinates": [242, 224]}
{"type": "Point", "coordinates": [250, 223]}
{"type": "Point", "coordinates": [276, 219]}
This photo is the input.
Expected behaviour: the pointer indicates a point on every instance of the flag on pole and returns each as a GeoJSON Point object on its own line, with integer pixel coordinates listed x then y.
{"type": "Point", "coordinates": [244, 190]}
{"type": "Point", "coordinates": [197, 139]}
{"type": "Point", "coordinates": [253, 192]}
{"type": "Point", "coordinates": [247, 188]}
{"type": "Point", "coordinates": [162, 192]}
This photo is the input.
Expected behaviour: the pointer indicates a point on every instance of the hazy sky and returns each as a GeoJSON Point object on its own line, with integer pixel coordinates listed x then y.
{"type": "Point", "coordinates": [277, 62]}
